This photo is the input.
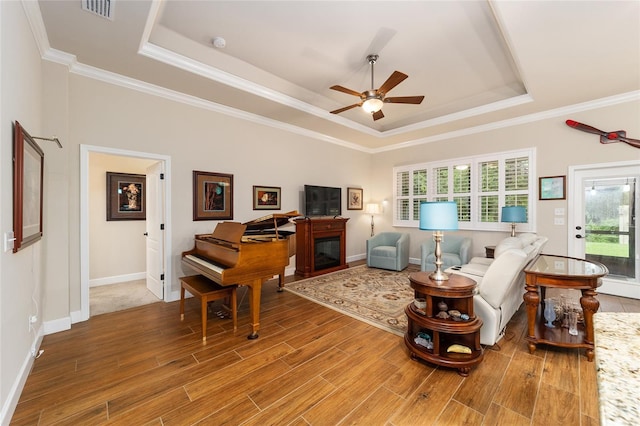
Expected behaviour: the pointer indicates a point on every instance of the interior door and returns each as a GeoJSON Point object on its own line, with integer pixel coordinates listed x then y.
{"type": "Point", "coordinates": [604, 226]}
{"type": "Point", "coordinates": [155, 229]}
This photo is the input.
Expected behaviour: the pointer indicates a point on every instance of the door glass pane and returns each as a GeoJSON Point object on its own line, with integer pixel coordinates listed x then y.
{"type": "Point", "coordinates": [610, 225]}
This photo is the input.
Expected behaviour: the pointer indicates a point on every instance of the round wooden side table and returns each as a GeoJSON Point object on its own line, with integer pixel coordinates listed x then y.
{"type": "Point", "coordinates": [431, 336]}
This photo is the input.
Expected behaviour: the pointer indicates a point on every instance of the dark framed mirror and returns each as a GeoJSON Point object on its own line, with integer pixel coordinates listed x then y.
{"type": "Point", "coordinates": [28, 169]}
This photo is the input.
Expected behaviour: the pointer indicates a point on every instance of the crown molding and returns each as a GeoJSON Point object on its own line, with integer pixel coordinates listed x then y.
{"type": "Point", "coordinates": [523, 119]}
{"type": "Point", "coordinates": [32, 11]}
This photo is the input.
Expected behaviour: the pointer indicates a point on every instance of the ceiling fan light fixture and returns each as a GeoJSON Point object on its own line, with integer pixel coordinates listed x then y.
{"type": "Point", "coordinates": [372, 100]}
{"type": "Point", "coordinates": [372, 105]}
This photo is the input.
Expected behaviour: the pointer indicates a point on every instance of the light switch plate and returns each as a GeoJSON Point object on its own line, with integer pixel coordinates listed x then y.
{"type": "Point", "coordinates": [559, 211]}
{"type": "Point", "coordinates": [9, 238]}
{"type": "Point", "coordinates": [558, 220]}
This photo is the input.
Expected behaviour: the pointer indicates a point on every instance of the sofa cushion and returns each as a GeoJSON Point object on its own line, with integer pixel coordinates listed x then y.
{"type": "Point", "coordinates": [482, 260]}
{"type": "Point", "coordinates": [499, 277]}
{"type": "Point", "coordinates": [529, 250]}
{"type": "Point", "coordinates": [478, 269]}
{"type": "Point", "coordinates": [507, 244]}
{"type": "Point", "coordinates": [527, 238]}
{"type": "Point", "coordinates": [384, 251]}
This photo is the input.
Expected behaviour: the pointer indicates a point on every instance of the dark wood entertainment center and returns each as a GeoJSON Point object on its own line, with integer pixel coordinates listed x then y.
{"type": "Point", "coordinates": [320, 245]}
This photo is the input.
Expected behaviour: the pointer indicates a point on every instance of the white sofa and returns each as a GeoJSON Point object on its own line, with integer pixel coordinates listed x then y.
{"type": "Point", "coordinates": [501, 282]}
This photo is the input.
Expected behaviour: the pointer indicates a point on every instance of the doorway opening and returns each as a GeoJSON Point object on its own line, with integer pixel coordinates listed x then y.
{"type": "Point", "coordinates": [158, 212]}
{"type": "Point", "coordinates": [603, 225]}
{"type": "Point", "coordinates": [610, 224]}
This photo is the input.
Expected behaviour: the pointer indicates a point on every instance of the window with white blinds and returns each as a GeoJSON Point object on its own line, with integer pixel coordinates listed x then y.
{"type": "Point", "coordinates": [480, 186]}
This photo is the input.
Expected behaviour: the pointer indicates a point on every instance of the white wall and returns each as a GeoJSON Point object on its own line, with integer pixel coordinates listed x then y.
{"type": "Point", "coordinates": [21, 281]}
{"type": "Point", "coordinates": [48, 100]}
{"type": "Point", "coordinates": [557, 147]}
{"type": "Point", "coordinates": [116, 248]}
{"type": "Point", "coordinates": [196, 139]}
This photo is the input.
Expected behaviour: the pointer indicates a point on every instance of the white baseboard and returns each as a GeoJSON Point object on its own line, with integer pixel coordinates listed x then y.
{"type": "Point", "coordinates": [117, 279]}
{"type": "Point", "coordinates": [356, 257]}
{"type": "Point", "coordinates": [60, 324]}
{"type": "Point", "coordinates": [619, 288]}
{"type": "Point", "coordinates": [173, 296]}
{"type": "Point", "coordinates": [76, 316]}
{"type": "Point", "coordinates": [11, 402]}
{"type": "Point", "coordinates": [413, 260]}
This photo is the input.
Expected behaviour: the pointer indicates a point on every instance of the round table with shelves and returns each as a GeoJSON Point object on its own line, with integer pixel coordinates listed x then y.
{"type": "Point", "coordinates": [446, 337]}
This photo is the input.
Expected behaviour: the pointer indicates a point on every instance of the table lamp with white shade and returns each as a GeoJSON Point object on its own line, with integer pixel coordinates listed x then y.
{"type": "Point", "coordinates": [372, 208]}
{"type": "Point", "coordinates": [438, 216]}
{"type": "Point", "coordinates": [514, 214]}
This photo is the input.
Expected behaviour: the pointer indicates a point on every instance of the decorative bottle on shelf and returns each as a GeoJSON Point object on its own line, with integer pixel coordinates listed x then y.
{"type": "Point", "coordinates": [549, 312]}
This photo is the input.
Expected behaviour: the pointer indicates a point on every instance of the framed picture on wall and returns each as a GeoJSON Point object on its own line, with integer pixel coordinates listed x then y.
{"type": "Point", "coordinates": [28, 171]}
{"type": "Point", "coordinates": [552, 188]}
{"type": "Point", "coordinates": [266, 197]}
{"type": "Point", "coordinates": [212, 196]}
{"type": "Point", "coordinates": [126, 196]}
{"type": "Point", "coordinates": [354, 198]}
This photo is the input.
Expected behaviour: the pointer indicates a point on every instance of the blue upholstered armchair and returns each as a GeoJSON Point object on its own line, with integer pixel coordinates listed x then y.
{"type": "Point", "coordinates": [455, 251]}
{"type": "Point", "coordinates": [388, 250]}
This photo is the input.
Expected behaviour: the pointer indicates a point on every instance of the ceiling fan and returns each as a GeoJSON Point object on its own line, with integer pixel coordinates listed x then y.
{"type": "Point", "coordinates": [372, 100]}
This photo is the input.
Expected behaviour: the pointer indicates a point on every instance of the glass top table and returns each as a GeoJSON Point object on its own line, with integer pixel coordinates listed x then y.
{"type": "Point", "coordinates": [561, 272]}
{"type": "Point", "coordinates": [551, 265]}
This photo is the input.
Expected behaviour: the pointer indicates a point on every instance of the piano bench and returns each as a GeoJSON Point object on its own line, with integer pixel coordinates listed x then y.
{"type": "Point", "coordinates": [206, 290]}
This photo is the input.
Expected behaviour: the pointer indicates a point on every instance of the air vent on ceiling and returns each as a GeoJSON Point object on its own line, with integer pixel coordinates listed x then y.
{"type": "Point", "coordinates": [102, 8]}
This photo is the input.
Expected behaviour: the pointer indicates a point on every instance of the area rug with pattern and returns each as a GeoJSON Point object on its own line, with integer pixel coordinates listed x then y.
{"type": "Point", "coordinates": [375, 296]}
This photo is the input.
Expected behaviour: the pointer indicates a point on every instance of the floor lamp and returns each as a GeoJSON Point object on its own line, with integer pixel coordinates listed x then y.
{"type": "Point", "coordinates": [438, 216]}
{"type": "Point", "coordinates": [514, 214]}
{"type": "Point", "coordinates": [372, 208]}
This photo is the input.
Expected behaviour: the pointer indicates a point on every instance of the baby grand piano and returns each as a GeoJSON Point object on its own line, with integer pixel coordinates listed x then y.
{"type": "Point", "coordinates": [244, 254]}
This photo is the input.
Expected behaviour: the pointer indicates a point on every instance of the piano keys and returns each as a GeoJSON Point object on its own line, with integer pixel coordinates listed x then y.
{"type": "Point", "coordinates": [230, 256]}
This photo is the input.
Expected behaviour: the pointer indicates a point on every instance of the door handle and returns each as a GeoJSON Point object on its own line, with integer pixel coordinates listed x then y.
{"type": "Point", "coordinates": [146, 234]}
{"type": "Point", "coordinates": [579, 236]}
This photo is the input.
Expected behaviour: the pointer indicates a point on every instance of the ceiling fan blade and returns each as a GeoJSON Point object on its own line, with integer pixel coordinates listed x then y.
{"type": "Point", "coordinates": [377, 115]}
{"type": "Point", "coordinates": [338, 111]}
{"type": "Point", "coordinates": [345, 90]}
{"type": "Point", "coordinates": [396, 78]}
{"type": "Point", "coordinates": [404, 99]}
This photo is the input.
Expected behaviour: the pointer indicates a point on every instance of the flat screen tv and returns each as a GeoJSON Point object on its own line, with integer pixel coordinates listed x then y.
{"type": "Point", "coordinates": [322, 201]}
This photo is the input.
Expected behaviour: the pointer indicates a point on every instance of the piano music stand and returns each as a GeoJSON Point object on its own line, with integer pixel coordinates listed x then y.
{"type": "Point", "coordinates": [206, 290]}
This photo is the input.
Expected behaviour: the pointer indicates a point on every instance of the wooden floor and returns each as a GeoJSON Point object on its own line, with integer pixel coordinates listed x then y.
{"type": "Point", "coordinates": [311, 365]}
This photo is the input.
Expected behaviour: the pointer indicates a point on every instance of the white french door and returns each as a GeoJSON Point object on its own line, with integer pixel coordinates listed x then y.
{"type": "Point", "coordinates": [602, 222]}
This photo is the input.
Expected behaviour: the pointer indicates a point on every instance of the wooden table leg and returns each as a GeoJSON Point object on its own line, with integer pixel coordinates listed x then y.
{"type": "Point", "coordinates": [532, 301]}
{"type": "Point", "coordinates": [590, 306]}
